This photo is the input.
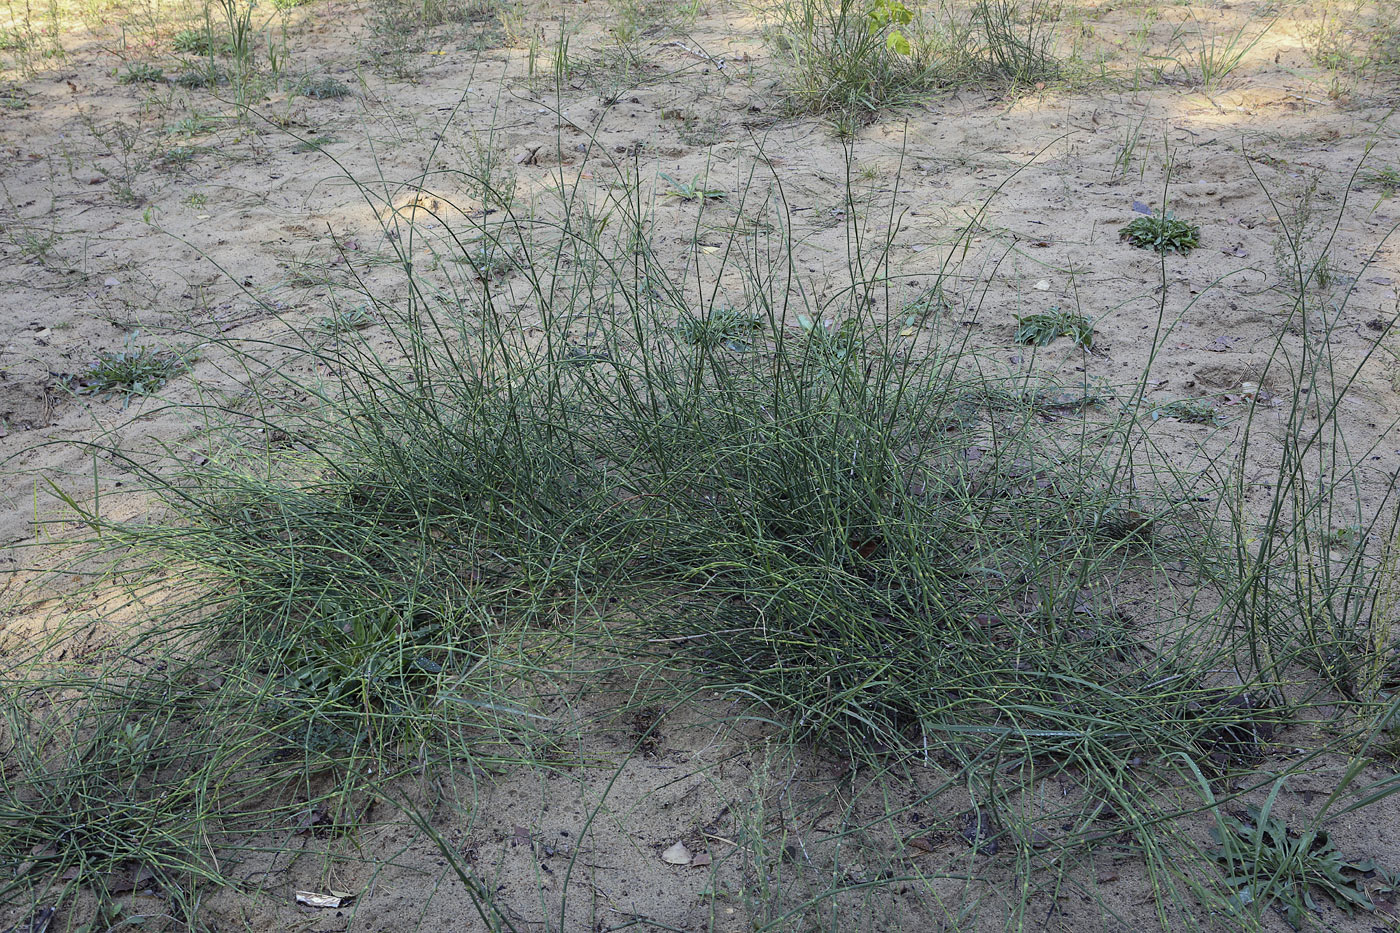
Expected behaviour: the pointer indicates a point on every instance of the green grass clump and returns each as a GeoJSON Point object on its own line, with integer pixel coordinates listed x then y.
{"type": "Point", "coordinates": [905, 558]}
{"type": "Point", "coordinates": [1018, 39]}
{"type": "Point", "coordinates": [1162, 233]}
{"type": "Point", "coordinates": [1040, 330]}
{"type": "Point", "coordinates": [693, 190]}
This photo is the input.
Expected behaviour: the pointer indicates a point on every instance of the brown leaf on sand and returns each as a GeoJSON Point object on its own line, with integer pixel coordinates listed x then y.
{"type": "Point", "coordinates": [921, 845]}
{"type": "Point", "coordinates": [701, 860]}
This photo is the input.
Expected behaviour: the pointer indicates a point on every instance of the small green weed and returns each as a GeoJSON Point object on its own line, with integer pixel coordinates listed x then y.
{"type": "Point", "coordinates": [130, 372]}
{"type": "Point", "coordinates": [314, 144]}
{"type": "Point", "coordinates": [198, 42]}
{"type": "Point", "coordinates": [196, 78]}
{"type": "Point", "coordinates": [691, 190]}
{"type": "Point", "coordinates": [1190, 411]}
{"type": "Point", "coordinates": [324, 88]}
{"type": "Point", "coordinates": [1386, 179]}
{"type": "Point", "coordinates": [141, 73]}
{"type": "Point", "coordinates": [724, 327]}
{"type": "Point", "coordinates": [196, 124]}
{"type": "Point", "coordinates": [1265, 862]}
{"type": "Point", "coordinates": [1162, 233]}
{"type": "Point", "coordinates": [1040, 330]}
{"type": "Point", "coordinates": [350, 319]}
{"type": "Point", "coordinates": [488, 259]}
{"type": "Point", "coordinates": [179, 155]}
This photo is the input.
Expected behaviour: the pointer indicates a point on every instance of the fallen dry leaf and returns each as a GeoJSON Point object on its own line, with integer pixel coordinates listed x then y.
{"type": "Point", "coordinates": [678, 854]}
{"type": "Point", "coordinates": [329, 901]}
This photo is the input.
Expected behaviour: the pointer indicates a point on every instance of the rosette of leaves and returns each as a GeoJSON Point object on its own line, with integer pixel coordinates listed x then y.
{"type": "Point", "coordinates": [1164, 233]}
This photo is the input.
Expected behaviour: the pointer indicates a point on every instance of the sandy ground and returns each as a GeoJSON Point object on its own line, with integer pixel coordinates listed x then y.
{"type": "Point", "coordinates": [109, 241]}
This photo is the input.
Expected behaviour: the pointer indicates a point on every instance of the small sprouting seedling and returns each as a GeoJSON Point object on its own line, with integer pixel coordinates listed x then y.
{"type": "Point", "coordinates": [179, 155]}
{"type": "Point", "coordinates": [691, 190]}
{"type": "Point", "coordinates": [1345, 538]}
{"type": "Point", "coordinates": [733, 330]}
{"type": "Point", "coordinates": [931, 302]}
{"type": "Point", "coordinates": [36, 243]}
{"type": "Point", "coordinates": [488, 259]}
{"type": "Point", "coordinates": [324, 88]}
{"type": "Point", "coordinates": [196, 124]}
{"type": "Point", "coordinates": [196, 78]}
{"type": "Point", "coordinates": [133, 739]}
{"type": "Point", "coordinates": [351, 319]}
{"type": "Point", "coordinates": [1190, 411]}
{"type": "Point", "coordinates": [315, 144]}
{"type": "Point", "coordinates": [1163, 233]}
{"type": "Point", "coordinates": [197, 42]}
{"type": "Point", "coordinates": [128, 372]}
{"type": "Point", "coordinates": [1266, 862]}
{"type": "Point", "coordinates": [836, 346]}
{"type": "Point", "coordinates": [1386, 179]}
{"type": "Point", "coordinates": [141, 73]}
{"type": "Point", "coordinates": [845, 126]}
{"type": "Point", "coordinates": [1039, 330]}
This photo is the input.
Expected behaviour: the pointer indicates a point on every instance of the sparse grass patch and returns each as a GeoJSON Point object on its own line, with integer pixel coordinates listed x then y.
{"type": "Point", "coordinates": [1162, 233]}
{"type": "Point", "coordinates": [1211, 57]}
